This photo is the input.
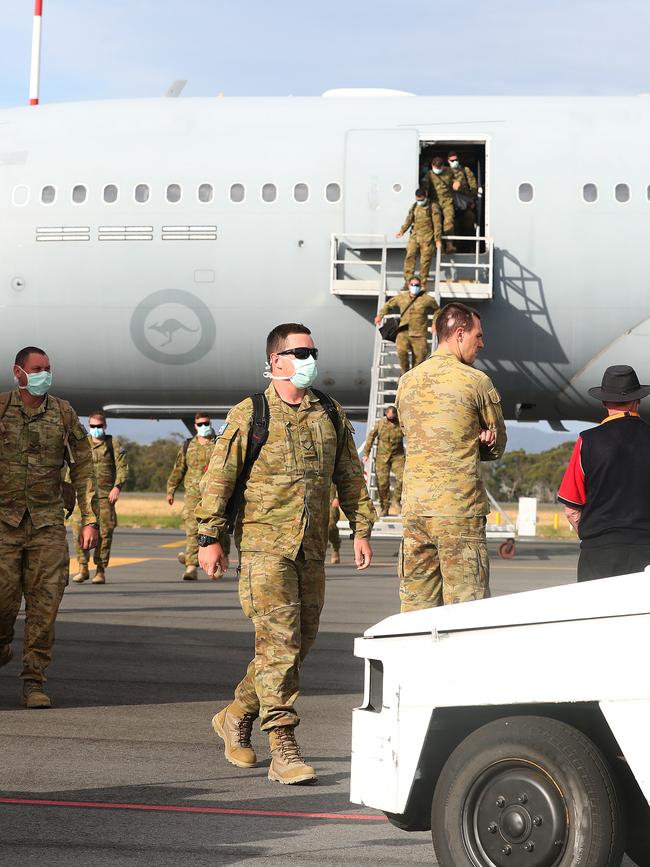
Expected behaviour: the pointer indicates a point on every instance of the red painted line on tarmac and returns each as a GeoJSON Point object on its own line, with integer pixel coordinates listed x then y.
{"type": "Point", "coordinates": [222, 811]}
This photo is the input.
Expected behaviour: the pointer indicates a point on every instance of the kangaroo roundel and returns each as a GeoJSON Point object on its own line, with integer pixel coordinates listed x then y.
{"type": "Point", "coordinates": [173, 326]}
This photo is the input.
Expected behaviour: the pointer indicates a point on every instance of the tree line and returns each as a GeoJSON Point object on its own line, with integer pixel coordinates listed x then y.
{"type": "Point", "coordinates": [150, 464]}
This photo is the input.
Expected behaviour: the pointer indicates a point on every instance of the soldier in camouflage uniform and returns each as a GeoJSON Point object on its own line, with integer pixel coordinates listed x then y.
{"type": "Point", "coordinates": [281, 534]}
{"type": "Point", "coordinates": [111, 472]}
{"type": "Point", "coordinates": [38, 434]}
{"type": "Point", "coordinates": [389, 456]}
{"type": "Point", "coordinates": [414, 307]}
{"type": "Point", "coordinates": [440, 181]}
{"type": "Point", "coordinates": [333, 535]}
{"type": "Point", "coordinates": [425, 223]}
{"type": "Point", "coordinates": [452, 420]}
{"type": "Point", "coordinates": [465, 183]}
{"type": "Point", "coordinates": [191, 462]}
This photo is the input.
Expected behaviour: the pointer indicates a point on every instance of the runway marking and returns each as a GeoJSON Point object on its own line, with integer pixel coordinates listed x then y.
{"type": "Point", "coordinates": [160, 808]}
{"type": "Point", "coordinates": [180, 544]}
{"type": "Point", "coordinates": [115, 561]}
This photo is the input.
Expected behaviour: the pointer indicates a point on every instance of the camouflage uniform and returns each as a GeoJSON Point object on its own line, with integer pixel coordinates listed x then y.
{"type": "Point", "coordinates": [442, 406]}
{"type": "Point", "coordinates": [413, 327]}
{"type": "Point", "coordinates": [389, 456]}
{"type": "Point", "coordinates": [34, 558]}
{"type": "Point", "coordinates": [282, 536]}
{"type": "Point", "coordinates": [465, 220]}
{"type": "Point", "coordinates": [440, 191]}
{"type": "Point", "coordinates": [110, 472]}
{"type": "Point", "coordinates": [333, 535]}
{"type": "Point", "coordinates": [191, 462]}
{"type": "Point", "coordinates": [426, 231]}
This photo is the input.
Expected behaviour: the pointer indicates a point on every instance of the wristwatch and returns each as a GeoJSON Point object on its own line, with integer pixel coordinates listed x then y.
{"type": "Point", "coordinates": [204, 541]}
{"type": "Point", "coordinates": [93, 524]}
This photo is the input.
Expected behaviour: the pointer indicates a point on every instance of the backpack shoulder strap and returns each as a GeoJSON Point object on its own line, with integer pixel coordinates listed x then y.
{"type": "Point", "coordinates": [258, 433]}
{"type": "Point", "coordinates": [5, 400]}
{"type": "Point", "coordinates": [65, 411]}
{"type": "Point", "coordinates": [186, 445]}
{"type": "Point", "coordinates": [328, 405]}
{"type": "Point", "coordinates": [108, 439]}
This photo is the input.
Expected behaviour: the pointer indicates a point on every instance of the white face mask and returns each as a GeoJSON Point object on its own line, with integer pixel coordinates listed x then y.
{"type": "Point", "coordinates": [454, 164]}
{"type": "Point", "coordinates": [415, 289]}
{"type": "Point", "coordinates": [204, 430]}
{"type": "Point", "coordinates": [304, 372]}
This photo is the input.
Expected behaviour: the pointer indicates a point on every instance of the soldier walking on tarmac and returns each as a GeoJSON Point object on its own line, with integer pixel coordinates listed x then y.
{"type": "Point", "coordinates": [414, 307]}
{"type": "Point", "coordinates": [302, 442]}
{"type": "Point", "coordinates": [191, 462]}
{"type": "Point", "coordinates": [111, 472]}
{"type": "Point", "coordinates": [389, 457]}
{"type": "Point", "coordinates": [425, 222]}
{"type": "Point", "coordinates": [452, 420]}
{"type": "Point", "coordinates": [38, 435]}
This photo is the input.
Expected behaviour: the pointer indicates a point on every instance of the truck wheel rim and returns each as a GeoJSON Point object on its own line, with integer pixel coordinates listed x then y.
{"type": "Point", "coordinates": [515, 814]}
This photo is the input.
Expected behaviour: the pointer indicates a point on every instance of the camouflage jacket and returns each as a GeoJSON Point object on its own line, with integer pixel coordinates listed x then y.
{"type": "Point", "coordinates": [426, 222]}
{"type": "Point", "coordinates": [416, 317]}
{"type": "Point", "coordinates": [189, 466]}
{"type": "Point", "coordinates": [286, 501]}
{"type": "Point", "coordinates": [440, 186]}
{"type": "Point", "coordinates": [108, 472]}
{"type": "Point", "coordinates": [443, 405]}
{"type": "Point", "coordinates": [390, 440]}
{"type": "Point", "coordinates": [32, 456]}
{"type": "Point", "coordinates": [468, 185]}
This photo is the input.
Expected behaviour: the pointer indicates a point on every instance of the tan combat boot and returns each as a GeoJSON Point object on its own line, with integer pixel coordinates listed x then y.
{"type": "Point", "coordinates": [82, 575]}
{"type": "Point", "coordinates": [181, 557]}
{"type": "Point", "coordinates": [190, 574]}
{"type": "Point", "coordinates": [234, 726]}
{"type": "Point", "coordinates": [287, 763]}
{"type": "Point", "coordinates": [6, 654]}
{"type": "Point", "coordinates": [336, 557]}
{"type": "Point", "coordinates": [33, 695]}
{"type": "Point", "coordinates": [99, 577]}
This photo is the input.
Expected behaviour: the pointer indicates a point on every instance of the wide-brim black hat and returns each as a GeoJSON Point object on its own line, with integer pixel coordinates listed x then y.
{"type": "Point", "coordinates": [620, 384]}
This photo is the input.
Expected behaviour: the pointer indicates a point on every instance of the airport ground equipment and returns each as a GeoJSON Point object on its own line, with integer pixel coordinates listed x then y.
{"type": "Point", "coordinates": [515, 728]}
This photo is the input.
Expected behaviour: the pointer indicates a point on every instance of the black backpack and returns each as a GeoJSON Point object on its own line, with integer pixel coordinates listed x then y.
{"type": "Point", "coordinates": [257, 436]}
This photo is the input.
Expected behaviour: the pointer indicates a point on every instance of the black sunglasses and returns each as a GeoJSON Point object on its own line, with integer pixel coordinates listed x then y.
{"type": "Point", "coordinates": [301, 352]}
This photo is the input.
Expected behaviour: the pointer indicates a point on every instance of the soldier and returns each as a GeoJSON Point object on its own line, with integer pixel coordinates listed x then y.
{"type": "Point", "coordinates": [191, 462]}
{"type": "Point", "coordinates": [333, 534]}
{"type": "Point", "coordinates": [425, 223]}
{"type": "Point", "coordinates": [451, 417]}
{"type": "Point", "coordinates": [389, 456]}
{"type": "Point", "coordinates": [281, 533]}
{"type": "Point", "coordinates": [440, 181]}
{"type": "Point", "coordinates": [38, 434]}
{"type": "Point", "coordinates": [111, 472]}
{"type": "Point", "coordinates": [464, 183]}
{"type": "Point", "coordinates": [414, 307]}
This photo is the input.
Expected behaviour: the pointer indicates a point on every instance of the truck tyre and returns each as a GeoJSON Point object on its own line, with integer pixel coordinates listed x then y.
{"type": "Point", "coordinates": [528, 791]}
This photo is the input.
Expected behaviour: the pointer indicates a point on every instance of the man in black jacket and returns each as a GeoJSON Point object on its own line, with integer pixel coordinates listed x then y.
{"type": "Point", "coordinates": [606, 487]}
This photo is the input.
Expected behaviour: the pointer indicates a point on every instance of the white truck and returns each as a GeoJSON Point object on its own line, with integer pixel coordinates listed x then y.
{"type": "Point", "coordinates": [517, 729]}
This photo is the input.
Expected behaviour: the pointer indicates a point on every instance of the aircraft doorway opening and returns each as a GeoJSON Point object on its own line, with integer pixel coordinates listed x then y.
{"type": "Point", "coordinates": [473, 156]}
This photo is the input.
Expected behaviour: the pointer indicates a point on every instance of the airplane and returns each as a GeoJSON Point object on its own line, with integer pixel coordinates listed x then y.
{"type": "Point", "coordinates": [149, 245]}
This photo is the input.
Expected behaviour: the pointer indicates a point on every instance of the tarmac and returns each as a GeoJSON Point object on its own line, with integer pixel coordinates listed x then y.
{"type": "Point", "coordinates": [125, 769]}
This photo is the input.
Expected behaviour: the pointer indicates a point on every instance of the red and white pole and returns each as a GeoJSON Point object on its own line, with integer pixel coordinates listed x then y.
{"type": "Point", "coordinates": [35, 75]}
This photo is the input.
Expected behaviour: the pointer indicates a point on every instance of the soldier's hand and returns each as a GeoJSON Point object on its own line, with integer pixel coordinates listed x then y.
{"type": "Point", "coordinates": [88, 537]}
{"type": "Point", "coordinates": [377, 320]}
{"type": "Point", "coordinates": [219, 572]}
{"type": "Point", "coordinates": [362, 554]}
{"type": "Point", "coordinates": [212, 558]}
{"type": "Point", "coordinates": [113, 495]}
{"type": "Point", "coordinates": [170, 499]}
{"type": "Point", "coordinates": [487, 437]}
{"type": "Point", "coordinates": [365, 459]}
{"type": "Point", "coordinates": [456, 185]}
{"type": "Point", "coordinates": [398, 234]}
{"type": "Point", "coordinates": [438, 245]}
{"type": "Point", "coordinates": [335, 503]}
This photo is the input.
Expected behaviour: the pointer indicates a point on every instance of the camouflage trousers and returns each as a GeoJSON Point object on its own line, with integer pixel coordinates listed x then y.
{"type": "Point", "coordinates": [406, 345]}
{"type": "Point", "coordinates": [383, 466]}
{"type": "Point", "coordinates": [443, 561]}
{"type": "Point", "coordinates": [422, 244]}
{"type": "Point", "coordinates": [191, 530]}
{"type": "Point", "coordinates": [332, 529]}
{"type": "Point", "coordinates": [284, 599]}
{"type": "Point", "coordinates": [107, 520]}
{"type": "Point", "coordinates": [34, 564]}
{"type": "Point", "coordinates": [448, 216]}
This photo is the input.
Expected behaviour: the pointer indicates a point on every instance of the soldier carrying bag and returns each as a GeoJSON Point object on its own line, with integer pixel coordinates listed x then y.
{"type": "Point", "coordinates": [257, 435]}
{"type": "Point", "coordinates": [391, 327]}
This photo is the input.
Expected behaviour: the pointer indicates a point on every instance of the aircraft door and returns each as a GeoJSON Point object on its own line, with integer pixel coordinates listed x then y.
{"type": "Point", "coordinates": [381, 174]}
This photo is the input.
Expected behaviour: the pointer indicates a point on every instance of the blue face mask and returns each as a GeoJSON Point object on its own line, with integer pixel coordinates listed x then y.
{"type": "Point", "coordinates": [38, 384]}
{"type": "Point", "coordinates": [437, 171]}
{"type": "Point", "coordinates": [420, 201]}
{"type": "Point", "coordinates": [304, 372]}
{"type": "Point", "coordinates": [204, 430]}
{"type": "Point", "coordinates": [98, 432]}
{"type": "Point", "coordinates": [415, 289]}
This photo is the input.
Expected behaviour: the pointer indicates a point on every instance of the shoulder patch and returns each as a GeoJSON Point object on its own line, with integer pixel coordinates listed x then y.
{"type": "Point", "coordinates": [494, 395]}
{"type": "Point", "coordinates": [222, 429]}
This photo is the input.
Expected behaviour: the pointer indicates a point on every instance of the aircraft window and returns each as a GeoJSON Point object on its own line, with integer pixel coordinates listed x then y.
{"type": "Point", "coordinates": [110, 194]}
{"type": "Point", "coordinates": [622, 193]}
{"type": "Point", "coordinates": [48, 195]}
{"type": "Point", "coordinates": [205, 193]}
{"type": "Point", "coordinates": [141, 193]}
{"type": "Point", "coordinates": [269, 193]}
{"type": "Point", "coordinates": [397, 188]}
{"type": "Point", "coordinates": [79, 193]}
{"type": "Point", "coordinates": [20, 195]}
{"type": "Point", "coordinates": [237, 193]}
{"type": "Point", "coordinates": [333, 192]}
{"type": "Point", "coordinates": [301, 192]}
{"type": "Point", "coordinates": [526, 193]}
{"type": "Point", "coordinates": [590, 193]}
{"type": "Point", "coordinates": [173, 193]}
